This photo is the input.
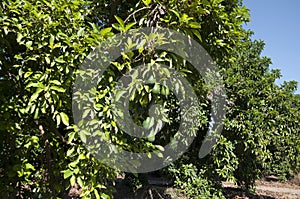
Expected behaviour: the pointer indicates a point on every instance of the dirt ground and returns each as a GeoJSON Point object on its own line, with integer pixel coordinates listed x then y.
{"type": "Point", "coordinates": [162, 189]}
{"type": "Point", "coordinates": [265, 189]}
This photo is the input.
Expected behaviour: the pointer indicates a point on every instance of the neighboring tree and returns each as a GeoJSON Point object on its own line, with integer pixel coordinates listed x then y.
{"type": "Point", "coordinates": [42, 45]}
{"type": "Point", "coordinates": [262, 121]}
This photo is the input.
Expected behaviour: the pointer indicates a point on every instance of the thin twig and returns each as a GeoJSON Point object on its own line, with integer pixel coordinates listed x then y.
{"type": "Point", "coordinates": [160, 196]}
{"type": "Point", "coordinates": [132, 14]}
{"type": "Point", "coordinates": [150, 193]}
{"type": "Point", "coordinates": [49, 166]}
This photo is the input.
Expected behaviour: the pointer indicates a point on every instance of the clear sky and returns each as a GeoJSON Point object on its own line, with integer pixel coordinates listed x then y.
{"type": "Point", "coordinates": [278, 24]}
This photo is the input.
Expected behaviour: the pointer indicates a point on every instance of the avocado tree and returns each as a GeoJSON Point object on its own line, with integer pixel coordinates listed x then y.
{"type": "Point", "coordinates": [42, 46]}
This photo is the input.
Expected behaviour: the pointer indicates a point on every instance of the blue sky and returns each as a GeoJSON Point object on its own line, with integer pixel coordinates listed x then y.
{"type": "Point", "coordinates": [278, 24]}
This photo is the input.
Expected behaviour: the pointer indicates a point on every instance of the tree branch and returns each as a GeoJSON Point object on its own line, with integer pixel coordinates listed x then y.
{"type": "Point", "coordinates": [133, 14]}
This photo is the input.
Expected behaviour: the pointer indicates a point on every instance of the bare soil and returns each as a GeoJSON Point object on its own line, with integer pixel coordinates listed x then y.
{"type": "Point", "coordinates": [265, 189]}
{"type": "Point", "coordinates": [162, 189]}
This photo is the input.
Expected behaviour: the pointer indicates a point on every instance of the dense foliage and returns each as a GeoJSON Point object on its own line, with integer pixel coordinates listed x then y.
{"type": "Point", "coordinates": [42, 45]}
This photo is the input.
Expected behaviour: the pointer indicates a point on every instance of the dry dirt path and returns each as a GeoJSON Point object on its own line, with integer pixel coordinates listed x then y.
{"type": "Point", "coordinates": [265, 189]}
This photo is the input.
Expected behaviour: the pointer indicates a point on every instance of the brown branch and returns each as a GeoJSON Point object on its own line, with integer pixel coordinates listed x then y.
{"type": "Point", "coordinates": [48, 158]}
{"type": "Point", "coordinates": [49, 166]}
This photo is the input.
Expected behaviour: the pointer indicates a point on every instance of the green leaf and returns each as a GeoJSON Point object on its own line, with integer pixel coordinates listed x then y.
{"type": "Point", "coordinates": [85, 113]}
{"type": "Point", "coordinates": [71, 137]}
{"type": "Point", "coordinates": [194, 25]}
{"type": "Point", "coordinates": [58, 89]}
{"type": "Point", "coordinates": [121, 22]}
{"type": "Point", "coordinates": [56, 82]}
{"type": "Point", "coordinates": [148, 123]}
{"type": "Point", "coordinates": [74, 163]}
{"type": "Point", "coordinates": [161, 148]}
{"type": "Point", "coordinates": [5, 30]}
{"type": "Point", "coordinates": [18, 57]}
{"type": "Point", "coordinates": [47, 60]}
{"type": "Point", "coordinates": [128, 26]}
{"type": "Point", "coordinates": [151, 80]}
{"type": "Point", "coordinates": [29, 166]}
{"type": "Point", "coordinates": [28, 44]}
{"type": "Point", "coordinates": [72, 180]}
{"type": "Point", "coordinates": [96, 194]}
{"type": "Point", "coordinates": [64, 118]}
{"type": "Point", "coordinates": [147, 2]}
{"type": "Point", "coordinates": [117, 27]}
{"type": "Point", "coordinates": [82, 136]}
{"type": "Point", "coordinates": [160, 155]}
{"type": "Point", "coordinates": [51, 41]}
{"type": "Point", "coordinates": [60, 60]}
{"type": "Point", "coordinates": [19, 37]}
{"type": "Point", "coordinates": [104, 196]}
{"type": "Point", "coordinates": [36, 94]}
{"type": "Point", "coordinates": [33, 84]}
{"type": "Point", "coordinates": [184, 71]}
{"type": "Point", "coordinates": [36, 113]}
{"type": "Point", "coordinates": [176, 13]}
{"type": "Point", "coordinates": [151, 138]}
{"type": "Point", "coordinates": [58, 119]}
{"type": "Point", "coordinates": [79, 181]}
{"type": "Point", "coordinates": [119, 95]}
{"type": "Point", "coordinates": [197, 34]}
{"type": "Point", "coordinates": [156, 88]}
{"type": "Point", "coordinates": [67, 173]}
{"type": "Point", "coordinates": [27, 74]}
{"type": "Point", "coordinates": [165, 91]}
{"type": "Point", "coordinates": [80, 32]}
{"type": "Point", "coordinates": [70, 151]}
{"type": "Point", "coordinates": [104, 31]}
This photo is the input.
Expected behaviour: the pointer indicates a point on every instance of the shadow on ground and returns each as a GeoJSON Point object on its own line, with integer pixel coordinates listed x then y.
{"type": "Point", "coordinates": [159, 192]}
{"type": "Point", "coordinates": [238, 193]}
